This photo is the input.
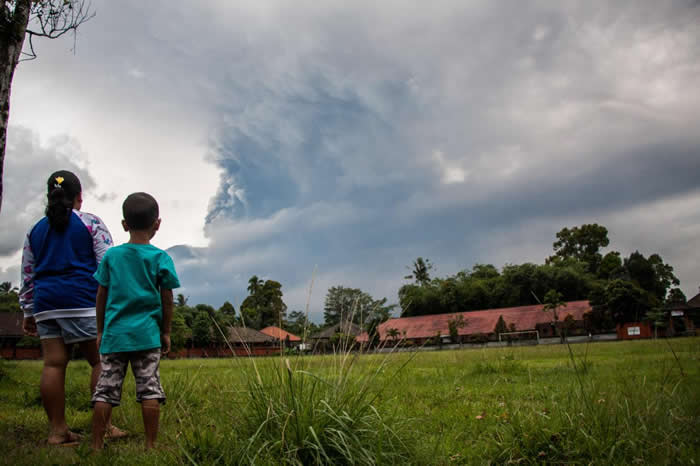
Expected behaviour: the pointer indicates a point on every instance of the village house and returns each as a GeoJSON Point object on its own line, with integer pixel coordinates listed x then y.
{"type": "Point", "coordinates": [242, 341]}
{"type": "Point", "coordinates": [282, 336]}
{"type": "Point", "coordinates": [327, 338]}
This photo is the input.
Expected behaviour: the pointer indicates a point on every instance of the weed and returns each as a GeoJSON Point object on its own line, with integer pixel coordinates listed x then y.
{"type": "Point", "coordinates": [503, 366]}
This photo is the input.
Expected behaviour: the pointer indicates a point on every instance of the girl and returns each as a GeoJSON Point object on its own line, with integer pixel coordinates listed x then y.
{"type": "Point", "coordinates": [61, 253]}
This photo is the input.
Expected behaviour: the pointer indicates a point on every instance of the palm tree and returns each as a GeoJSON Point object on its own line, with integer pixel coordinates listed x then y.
{"type": "Point", "coordinates": [393, 333]}
{"type": "Point", "coordinates": [6, 288]}
{"type": "Point", "coordinates": [421, 271]}
{"type": "Point", "coordinates": [181, 300]}
{"type": "Point", "coordinates": [254, 285]}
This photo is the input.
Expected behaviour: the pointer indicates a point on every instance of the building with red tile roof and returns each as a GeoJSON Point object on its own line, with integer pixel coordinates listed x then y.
{"type": "Point", "coordinates": [421, 328]}
{"type": "Point", "coordinates": [280, 334]}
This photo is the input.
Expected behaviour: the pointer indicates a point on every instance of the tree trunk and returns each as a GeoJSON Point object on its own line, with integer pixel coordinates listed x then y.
{"type": "Point", "coordinates": [12, 32]}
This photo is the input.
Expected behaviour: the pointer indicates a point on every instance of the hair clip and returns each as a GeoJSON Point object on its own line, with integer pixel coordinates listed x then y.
{"type": "Point", "coordinates": [59, 180]}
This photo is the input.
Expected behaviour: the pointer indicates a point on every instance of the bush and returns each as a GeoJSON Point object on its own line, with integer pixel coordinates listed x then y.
{"type": "Point", "coordinates": [29, 342]}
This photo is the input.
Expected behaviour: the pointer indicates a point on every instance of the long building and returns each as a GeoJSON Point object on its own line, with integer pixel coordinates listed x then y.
{"type": "Point", "coordinates": [482, 323]}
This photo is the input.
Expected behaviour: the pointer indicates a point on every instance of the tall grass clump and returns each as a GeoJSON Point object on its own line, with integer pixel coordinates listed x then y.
{"type": "Point", "coordinates": [308, 410]}
{"type": "Point", "coordinates": [298, 414]}
{"type": "Point", "coordinates": [504, 365]}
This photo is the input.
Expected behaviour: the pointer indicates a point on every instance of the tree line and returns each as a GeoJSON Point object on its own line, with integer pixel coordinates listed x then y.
{"type": "Point", "coordinates": [621, 289]}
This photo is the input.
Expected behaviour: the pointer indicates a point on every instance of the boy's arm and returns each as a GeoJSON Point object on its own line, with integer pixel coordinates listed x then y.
{"type": "Point", "coordinates": [100, 305]}
{"type": "Point", "coordinates": [166, 298]}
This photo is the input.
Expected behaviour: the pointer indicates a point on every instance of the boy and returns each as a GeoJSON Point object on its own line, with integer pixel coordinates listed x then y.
{"type": "Point", "coordinates": [134, 312]}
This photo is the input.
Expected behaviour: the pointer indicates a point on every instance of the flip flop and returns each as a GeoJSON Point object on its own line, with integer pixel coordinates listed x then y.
{"type": "Point", "coordinates": [114, 433]}
{"type": "Point", "coordinates": [70, 440]}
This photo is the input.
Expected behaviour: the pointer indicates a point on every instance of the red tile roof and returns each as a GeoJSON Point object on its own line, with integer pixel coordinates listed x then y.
{"type": "Point", "coordinates": [524, 318]}
{"type": "Point", "coordinates": [279, 333]}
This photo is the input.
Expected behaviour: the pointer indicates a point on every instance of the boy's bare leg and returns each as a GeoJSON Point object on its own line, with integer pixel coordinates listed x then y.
{"type": "Point", "coordinates": [53, 390]}
{"type": "Point", "coordinates": [102, 412]}
{"type": "Point", "coordinates": [150, 409]}
{"type": "Point", "coordinates": [92, 355]}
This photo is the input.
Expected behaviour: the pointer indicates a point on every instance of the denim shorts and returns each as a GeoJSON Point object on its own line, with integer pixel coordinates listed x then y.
{"type": "Point", "coordinates": [71, 329]}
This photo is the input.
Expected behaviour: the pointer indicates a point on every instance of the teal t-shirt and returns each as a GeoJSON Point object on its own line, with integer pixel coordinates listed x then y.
{"type": "Point", "coordinates": [134, 274]}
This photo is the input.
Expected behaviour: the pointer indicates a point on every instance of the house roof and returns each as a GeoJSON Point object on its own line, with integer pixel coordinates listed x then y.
{"type": "Point", "coordinates": [524, 318]}
{"type": "Point", "coordinates": [11, 324]}
{"type": "Point", "coordinates": [279, 333]}
{"type": "Point", "coordinates": [694, 301]}
{"type": "Point", "coordinates": [248, 335]}
{"type": "Point", "coordinates": [348, 328]}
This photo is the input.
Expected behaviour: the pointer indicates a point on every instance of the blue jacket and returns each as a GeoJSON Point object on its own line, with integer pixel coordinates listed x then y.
{"type": "Point", "coordinates": [58, 267]}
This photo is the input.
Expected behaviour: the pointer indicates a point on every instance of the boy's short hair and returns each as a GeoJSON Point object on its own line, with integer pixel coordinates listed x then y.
{"type": "Point", "coordinates": [140, 211]}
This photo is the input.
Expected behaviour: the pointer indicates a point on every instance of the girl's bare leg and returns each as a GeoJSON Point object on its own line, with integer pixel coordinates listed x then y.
{"type": "Point", "coordinates": [53, 390]}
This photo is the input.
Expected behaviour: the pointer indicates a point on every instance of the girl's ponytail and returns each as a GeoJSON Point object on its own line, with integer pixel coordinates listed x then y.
{"type": "Point", "coordinates": [63, 187]}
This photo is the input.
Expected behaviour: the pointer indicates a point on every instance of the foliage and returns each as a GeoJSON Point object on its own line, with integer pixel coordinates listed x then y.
{"type": "Point", "coordinates": [676, 296]}
{"type": "Point", "coordinates": [611, 266]}
{"type": "Point", "coordinates": [264, 305]}
{"type": "Point", "coordinates": [501, 326]}
{"type": "Point", "coordinates": [9, 299]}
{"type": "Point", "coordinates": [201, 330]}
{"type": "Point", "coordinates": [181, 300]}
{"type": "Point", "coordinates": [420, 273]}
{"type": "Point", "coordinates": [658, 318]}
{"type": "Point", "coordinates": [220, 324]}
{"type": "Point", "coordinates": [179, 331]}
{"type": "Point", "coordinates": [626, 301]}
{"type": "Point", "coordinates": [483, 287]}
{"type": "Point", "coordinates": [6, 287]}
{"type": "Point", "coordinates": [651, 274]}
{"type": "Point", "coordinates": [582, 244]}
{"type": "Point", "coordinates": [598, 320]}
{"type": "Point", "coordinates": [569, 323]}
{"type": "Point", "coordinates": [298, 324]}
{"type": "Point", "coordinates": [393, 333]}
{"type": "Point", "coordinates": [618, 289]}
{"type": "Point", "coordinates": [343, 304]}
{"type": "Point", "coordinates": [454, 324]}
{"type": "Point", "coordinates": [553, 300]}
{"type": "Point", "coordinates": [228, 309]}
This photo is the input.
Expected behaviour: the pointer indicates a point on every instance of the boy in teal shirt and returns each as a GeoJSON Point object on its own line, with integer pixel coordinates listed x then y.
{"type": "Point", "coordinates": [134, 312]}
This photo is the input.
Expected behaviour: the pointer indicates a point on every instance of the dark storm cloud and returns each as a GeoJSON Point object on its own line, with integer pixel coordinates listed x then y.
{"type": "Point", "coordinates": [426, 134]}
{"type": "Point", "coordinates": [355, 136]}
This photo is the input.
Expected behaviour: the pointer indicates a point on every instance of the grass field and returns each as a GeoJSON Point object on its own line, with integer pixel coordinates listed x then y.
{"type": "Point", "coordinates": [603, 403]}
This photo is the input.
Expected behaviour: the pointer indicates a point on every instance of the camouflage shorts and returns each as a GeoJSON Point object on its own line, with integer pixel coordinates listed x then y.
{"type": "Point", "coordinates": [144, 365]}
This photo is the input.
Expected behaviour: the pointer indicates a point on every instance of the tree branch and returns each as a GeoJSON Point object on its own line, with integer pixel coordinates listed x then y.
{"type": "Point", "coordinates": [53, 18]}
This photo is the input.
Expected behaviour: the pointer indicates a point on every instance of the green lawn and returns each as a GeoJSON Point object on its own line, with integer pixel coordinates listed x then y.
{"type": "Point", "coordinates": [624, 403]}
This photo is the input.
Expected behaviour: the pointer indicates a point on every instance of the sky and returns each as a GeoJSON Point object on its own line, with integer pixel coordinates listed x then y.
{"type": "Point", "coordinates": [331, 143]}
